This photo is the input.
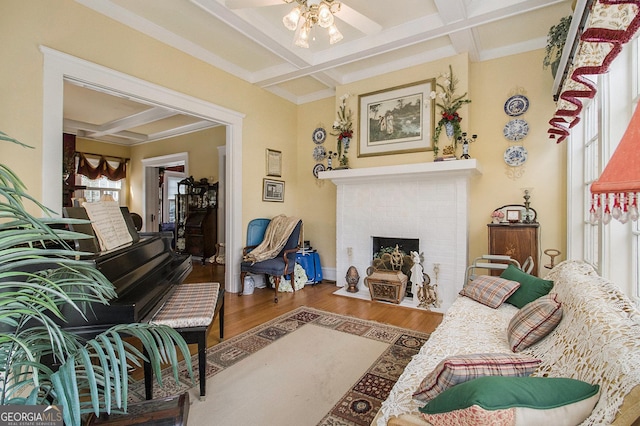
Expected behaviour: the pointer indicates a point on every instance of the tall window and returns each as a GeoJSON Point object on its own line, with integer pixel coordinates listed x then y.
{"type": "Point", "coordinates": [613, 249]}
{"type": "Point", "coordinates": [97, 188]}
{"type": "Point", "coordinates": [591, 171]}
{"type": "Point", "coordinates": [635, 88]}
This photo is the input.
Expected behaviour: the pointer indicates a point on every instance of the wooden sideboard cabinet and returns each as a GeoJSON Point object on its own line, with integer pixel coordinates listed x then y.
{"type": "Point", "coordinates": [518, 240]}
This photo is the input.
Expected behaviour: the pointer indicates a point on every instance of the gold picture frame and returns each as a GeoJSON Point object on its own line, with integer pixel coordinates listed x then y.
{"type": "Point", "coordinates": [274, 163]}
{"type": "Point", "coordinates": [397, 120]}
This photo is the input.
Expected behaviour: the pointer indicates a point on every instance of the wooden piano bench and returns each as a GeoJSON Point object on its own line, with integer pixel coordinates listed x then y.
{"type": "Point", "coordinates": [191, 311]}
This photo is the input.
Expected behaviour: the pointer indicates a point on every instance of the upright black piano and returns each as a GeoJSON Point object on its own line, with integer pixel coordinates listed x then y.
{"type": "Point", "coordinates": [145, 274]}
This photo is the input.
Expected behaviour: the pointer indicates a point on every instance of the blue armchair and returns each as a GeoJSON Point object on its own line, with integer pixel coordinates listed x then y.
{"type": "Point", "coordinates": [282, 264]}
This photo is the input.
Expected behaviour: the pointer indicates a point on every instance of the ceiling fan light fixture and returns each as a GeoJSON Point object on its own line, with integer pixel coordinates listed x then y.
{"type": "Point", "coordinates": [325, 17]}
{"type": "Point", "coordinates": [308, 13]}
{"type": "Point", "coordinates": [291, 19]}
{"type": "Point", "coordinates": [301, 38]}
{"type": "Point", "coordinates": [334, 34]}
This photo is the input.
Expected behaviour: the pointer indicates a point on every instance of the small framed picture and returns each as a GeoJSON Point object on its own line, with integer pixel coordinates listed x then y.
{"type": "Point", "coordinates": [273, 190]}
{"type": "Point", "coordinates": [274, 163]}
{"type": "Point", "coordinates": [513, 216]}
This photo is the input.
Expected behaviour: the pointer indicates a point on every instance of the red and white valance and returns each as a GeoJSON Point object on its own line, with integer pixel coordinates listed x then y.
{"type": "Point", "coordinates": [609, 25]}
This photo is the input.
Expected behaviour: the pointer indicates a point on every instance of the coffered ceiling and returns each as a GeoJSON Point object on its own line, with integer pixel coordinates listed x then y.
{"type": "Point", "coordinates": [247, 39]}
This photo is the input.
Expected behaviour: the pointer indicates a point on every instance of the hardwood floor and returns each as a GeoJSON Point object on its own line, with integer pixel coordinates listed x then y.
{"type": "Point", "coordinates": [242, 313]}
{"type": "Point", "coordinates": [245, 312]}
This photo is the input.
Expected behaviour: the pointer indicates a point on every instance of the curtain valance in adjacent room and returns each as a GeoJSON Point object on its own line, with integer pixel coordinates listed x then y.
{"type": "Point", "coordinates": [95, 166]}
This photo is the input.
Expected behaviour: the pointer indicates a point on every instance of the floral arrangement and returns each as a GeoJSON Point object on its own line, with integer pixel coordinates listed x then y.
{"type": "Point", "coordinates": [497, 214]}
{"type": "Point", "coordinates": [343, 128]}
{"type": "Point", "coordinates": [449, 103]}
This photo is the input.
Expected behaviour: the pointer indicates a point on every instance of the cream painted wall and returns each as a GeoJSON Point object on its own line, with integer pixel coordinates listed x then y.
{"type": "Point", "coordinates": [203, 158]}
{"type": "Point", "coordinates": [489, 84]}
{"type": "Point", "coordinates": [316, 198]}
{"type": "Point", "coordinates": [270, 120]}
{"type": "Point", "coordinates": [492, 83]}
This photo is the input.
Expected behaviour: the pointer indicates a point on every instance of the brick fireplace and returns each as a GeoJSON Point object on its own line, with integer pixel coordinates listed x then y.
{"type": "Point", "coordinates": [426, 201]}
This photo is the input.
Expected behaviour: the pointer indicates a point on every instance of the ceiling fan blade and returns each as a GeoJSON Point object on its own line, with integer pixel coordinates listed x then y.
{"type": "Point", "coordinates": [357, 20]}
{"type": "Point", "coordinates": [248, 4]}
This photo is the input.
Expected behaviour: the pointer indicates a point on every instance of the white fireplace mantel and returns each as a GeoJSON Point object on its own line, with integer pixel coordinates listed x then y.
{"type": "Point", "coordinates": [427, 201]}
{"type": "Point", "coordinates": [438, 170]}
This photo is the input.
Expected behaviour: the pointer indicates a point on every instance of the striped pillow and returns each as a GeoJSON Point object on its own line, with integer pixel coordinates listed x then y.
{"type": "Point", "coordinates": [533, 322]}
{"type": "Point", "coordinates": [490, 291]}
{"type": "Point", "coordinates": [459, 369]}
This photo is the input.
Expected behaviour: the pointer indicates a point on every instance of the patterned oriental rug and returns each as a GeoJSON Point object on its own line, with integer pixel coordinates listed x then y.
{"type": "Point", "coordinates": [306, 367]}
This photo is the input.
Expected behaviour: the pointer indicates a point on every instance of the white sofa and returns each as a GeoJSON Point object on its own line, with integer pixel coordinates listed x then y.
{"type": "Point", "coordinates": [597, 341]}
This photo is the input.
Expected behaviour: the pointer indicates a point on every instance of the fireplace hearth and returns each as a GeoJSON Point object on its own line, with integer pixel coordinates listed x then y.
{"type": "Point", "coordinates": [427, 202]}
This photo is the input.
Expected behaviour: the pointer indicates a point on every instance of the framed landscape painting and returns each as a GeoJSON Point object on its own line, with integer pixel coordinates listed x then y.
{"type": "Point", "coordinates": [396, 120]}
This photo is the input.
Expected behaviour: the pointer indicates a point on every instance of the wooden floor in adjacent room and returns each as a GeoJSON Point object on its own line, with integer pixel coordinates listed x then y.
{"type": "Point", "coordinates": [242, 313]}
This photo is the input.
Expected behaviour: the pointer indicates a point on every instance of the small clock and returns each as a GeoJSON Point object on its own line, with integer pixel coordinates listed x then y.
{"type": "Point", "coordinates": [319, 135]}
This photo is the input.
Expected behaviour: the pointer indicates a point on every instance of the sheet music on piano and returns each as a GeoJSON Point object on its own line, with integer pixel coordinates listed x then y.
{"type": "Point", "coordinates": [108, 224]}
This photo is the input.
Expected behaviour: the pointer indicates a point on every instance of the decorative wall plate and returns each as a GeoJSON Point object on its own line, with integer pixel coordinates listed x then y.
{"type": "Point", "coordinates": [319, 153]}
{"type": "Point", "coordinates": [317, 169]}
{"type": "Point", "coordinates": [515, 155]}
{"type": "Point", "coordinates": [516, 105]}
{"type": "Point", "coordinates": [516, 129]}
{"type": "Point", "coordinates": [319, 135]}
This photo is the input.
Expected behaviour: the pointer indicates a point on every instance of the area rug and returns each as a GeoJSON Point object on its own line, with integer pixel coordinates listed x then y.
{"type": "Point", "coordinates": [306, 367]}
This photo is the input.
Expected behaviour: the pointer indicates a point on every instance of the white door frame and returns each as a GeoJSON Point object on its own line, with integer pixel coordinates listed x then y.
{"type": "Point", "coordinates": [150, 194]}
{"type": "Point", "coordinates": [59, 66]}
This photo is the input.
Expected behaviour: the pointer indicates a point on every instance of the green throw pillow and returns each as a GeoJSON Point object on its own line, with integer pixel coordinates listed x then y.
{"type": "Point", "coordinates": [498, 392]}
{"type": "Point", "coordinates": [531, 287]}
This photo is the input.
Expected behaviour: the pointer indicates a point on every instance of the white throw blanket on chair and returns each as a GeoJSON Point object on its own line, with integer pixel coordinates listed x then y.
{"type": "Point", "coordinates": [275, 238]}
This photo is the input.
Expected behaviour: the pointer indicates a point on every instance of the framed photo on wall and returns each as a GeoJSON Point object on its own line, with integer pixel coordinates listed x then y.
{"type": "Point", "coordinates": [397, 120]}
{"type": "Point", "coordinates": [272, 190]}
{"type": "Point", "coordinates": [274, 163]}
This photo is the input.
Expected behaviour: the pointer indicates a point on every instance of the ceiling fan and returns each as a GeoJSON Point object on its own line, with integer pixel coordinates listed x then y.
{"type": "Point", "coordinates": [347, 14]}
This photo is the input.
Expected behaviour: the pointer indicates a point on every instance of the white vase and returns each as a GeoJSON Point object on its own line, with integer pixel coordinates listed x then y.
{"type": "Point", "coordinates": [496, 220]}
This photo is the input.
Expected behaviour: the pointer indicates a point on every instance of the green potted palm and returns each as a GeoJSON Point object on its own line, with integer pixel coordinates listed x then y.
{"type": "Point", "coordinates": [39, 274]}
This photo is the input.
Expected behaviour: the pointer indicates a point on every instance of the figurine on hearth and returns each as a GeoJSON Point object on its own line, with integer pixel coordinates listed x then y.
{"type": "Point", "coordinates": [417, 275]}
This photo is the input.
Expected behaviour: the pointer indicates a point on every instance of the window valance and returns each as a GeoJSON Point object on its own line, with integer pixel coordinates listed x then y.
{"type": "Point", "coordinates": [94, 167]}
{"type": "Point", "coordinates": [609, 24]}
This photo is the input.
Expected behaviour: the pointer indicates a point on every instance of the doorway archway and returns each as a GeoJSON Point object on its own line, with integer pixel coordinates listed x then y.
{"type": "Point", "coordinates": [59, 66]}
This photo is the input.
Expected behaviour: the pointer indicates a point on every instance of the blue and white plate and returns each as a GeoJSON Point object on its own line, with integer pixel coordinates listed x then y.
{"type": "Point", "coordinates": [516, 129]}
{"type": "Point", "coordinates": [516, 105]}
{"type": "Point", "coordinates": [319, 153]}
{"type": "Point", "coordinates": [319, 135]}
{"type": "Point", "coordinates": [317, 169]}
{"type": "Point", "coordinates": [515, 155]}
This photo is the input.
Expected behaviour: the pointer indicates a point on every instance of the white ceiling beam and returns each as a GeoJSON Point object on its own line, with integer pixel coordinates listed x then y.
{"type": "Point", "coordinates": [148, 116]}
{"type": "Point", "coordinates": [410, 38]}
{"type": "Point", "coordinates": [182, 130]}
{"type": "Point", "coordinates": [249, 30]}
{"type": "Point", "coordinates": [88, 130]}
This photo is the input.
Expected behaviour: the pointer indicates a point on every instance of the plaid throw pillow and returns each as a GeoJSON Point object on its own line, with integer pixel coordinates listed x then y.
{"type": "Point", "coordinates": [490, 291]}
{"type": "Point", "coordinates": [533, 322]}
{"type": "Point", "coordinates": [459, 369]}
